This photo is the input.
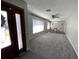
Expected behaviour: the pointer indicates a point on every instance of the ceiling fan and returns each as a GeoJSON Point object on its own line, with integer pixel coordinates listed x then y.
{"type": "Point", "coordinates": [56, 16]}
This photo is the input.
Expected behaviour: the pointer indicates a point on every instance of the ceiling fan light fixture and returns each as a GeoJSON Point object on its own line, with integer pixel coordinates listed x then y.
{"type": "Point", "coordinates": [55, 16]}
{"type": "Point", "coordinates": [48, 10]}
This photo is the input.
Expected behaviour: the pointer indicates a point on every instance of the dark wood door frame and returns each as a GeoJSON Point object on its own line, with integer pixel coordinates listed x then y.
{"type": "Point", "coordinates": [12, 25]}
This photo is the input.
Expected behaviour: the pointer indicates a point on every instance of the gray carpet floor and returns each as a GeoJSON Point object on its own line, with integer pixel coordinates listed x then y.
{"type": "Point", "coordinates": [50, 46]}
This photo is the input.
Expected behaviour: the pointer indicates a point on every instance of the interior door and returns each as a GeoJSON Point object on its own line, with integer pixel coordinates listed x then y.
{"type": "Point", "coordinates": [13, 40]}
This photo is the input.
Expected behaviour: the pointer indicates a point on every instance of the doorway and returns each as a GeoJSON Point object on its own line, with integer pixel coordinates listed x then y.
{"type": "Point", "coordinates": [13, 40]}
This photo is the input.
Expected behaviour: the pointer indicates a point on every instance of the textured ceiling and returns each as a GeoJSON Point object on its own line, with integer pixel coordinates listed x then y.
{"type": "Point", "coordinates": [65, 8]}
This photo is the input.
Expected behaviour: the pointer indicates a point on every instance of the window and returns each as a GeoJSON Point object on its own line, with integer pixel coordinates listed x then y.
{"type": "Point", "coordinates": [5, 36]}
{"type": "Point", "coordinates": [48, 25]}
{"type": "Point", "coordinates": [38, 26]}
{"type": "Point", "coordinates": [18, 24]}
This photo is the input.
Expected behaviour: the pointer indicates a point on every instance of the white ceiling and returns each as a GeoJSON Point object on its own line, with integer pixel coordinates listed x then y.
{"type": "Point", "coordinates": [65, 8]}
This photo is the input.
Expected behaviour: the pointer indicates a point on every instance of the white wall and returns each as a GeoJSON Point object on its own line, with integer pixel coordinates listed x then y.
{"type": "Point", "coordinates": [30, 23]}
{"type": "Point", "coordinates": [71, 30]}
{"type": "Point", "coordinates": [71, 24]}
{"type": "Point", "coordinates": [23, 5]}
